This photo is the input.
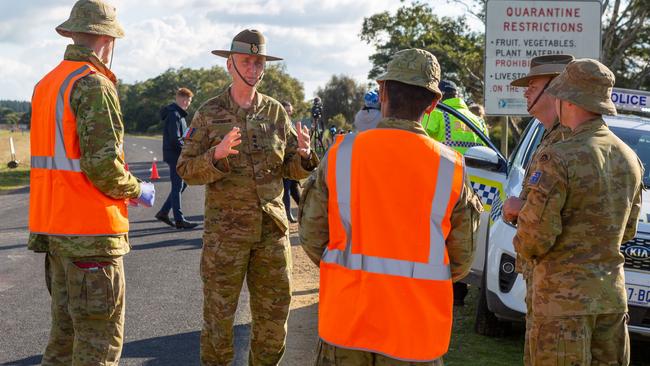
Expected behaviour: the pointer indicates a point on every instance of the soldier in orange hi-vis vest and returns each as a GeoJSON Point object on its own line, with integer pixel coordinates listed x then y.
{"type": "Point", "coordinates": [387, 261]}
{"type": "Point", "coordinates": [79, 190]}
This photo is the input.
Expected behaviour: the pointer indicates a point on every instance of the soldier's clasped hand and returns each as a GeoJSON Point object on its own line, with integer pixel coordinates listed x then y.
{"type": "Point", "coordinates": [225, 147]}
{"type": "Point", "coordinates": [304, 142]}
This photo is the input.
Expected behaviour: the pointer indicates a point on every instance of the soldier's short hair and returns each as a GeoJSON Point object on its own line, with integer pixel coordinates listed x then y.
{"type": "Point", "coordinates": [184, 92]}
{"type": "Point", "coordinates": [407, 101]}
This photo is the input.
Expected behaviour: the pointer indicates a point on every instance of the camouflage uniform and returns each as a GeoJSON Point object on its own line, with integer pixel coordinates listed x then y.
{"type": "Point", "coordinates": [245, 221]}
{"type": "Point", "coordinates": [583, 201]}
{"type": "Point", "coordinates": [550, 137]}
{"type": "Point", "coordinates": [87, 304]}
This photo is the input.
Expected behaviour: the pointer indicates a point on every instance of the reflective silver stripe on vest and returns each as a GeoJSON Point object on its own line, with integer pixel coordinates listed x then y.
{"type": "Point", "coordinates": [60, 160]}
{"type": "Point", "coordinates": [435, 269]}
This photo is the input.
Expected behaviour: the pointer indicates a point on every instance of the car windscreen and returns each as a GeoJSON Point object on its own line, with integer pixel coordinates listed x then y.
{"type": "Point", "coordinates": [639, 141]}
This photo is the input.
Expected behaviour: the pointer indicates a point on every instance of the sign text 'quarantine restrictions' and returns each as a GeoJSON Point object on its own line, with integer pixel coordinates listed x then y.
{"type": "Point", "coordinates": [520, 30]}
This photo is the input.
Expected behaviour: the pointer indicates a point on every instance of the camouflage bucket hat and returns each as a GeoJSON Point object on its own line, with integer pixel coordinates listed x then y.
{"type": "Point", "coordinates": [247, 42]}
{"type": "Point", "coordinates": [414, 67]}
{"type": "Point", "coordinates": [549, 65]}
{"type": "Point", "coordinates": [93, 17]}
{"type": "Point", "coordinates": [586, 83]}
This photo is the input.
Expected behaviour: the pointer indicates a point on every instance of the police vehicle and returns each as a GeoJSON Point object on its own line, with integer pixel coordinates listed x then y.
{"type": "Point", "coordinates": [494, 178]}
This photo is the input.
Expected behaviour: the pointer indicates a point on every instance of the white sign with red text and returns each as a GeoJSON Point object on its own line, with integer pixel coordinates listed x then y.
{"type": "Point", "coordinates": [517, 31]}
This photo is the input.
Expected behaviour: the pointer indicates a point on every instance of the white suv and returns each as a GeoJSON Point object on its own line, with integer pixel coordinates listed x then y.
{"type": "Point", "coordinates": [502, 290]}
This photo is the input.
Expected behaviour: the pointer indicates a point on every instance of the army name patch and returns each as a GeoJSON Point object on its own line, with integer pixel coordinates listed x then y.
{"type": "Point", "coordinates": [534, 179]}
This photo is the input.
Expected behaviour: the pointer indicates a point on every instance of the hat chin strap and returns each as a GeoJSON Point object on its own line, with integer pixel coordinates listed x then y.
{"type": "Point", "coordinates": [539, 95]}
{"type": "Point", "coordinates": [243, 79]}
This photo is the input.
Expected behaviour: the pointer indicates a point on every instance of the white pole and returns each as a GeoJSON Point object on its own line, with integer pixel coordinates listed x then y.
{"type": "Point", "coordinates": [13, 149]}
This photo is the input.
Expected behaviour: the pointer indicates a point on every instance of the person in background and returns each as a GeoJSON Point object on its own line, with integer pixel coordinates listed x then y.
{"type": "Point", "coordinates": [478, 111]}
{"type": "Point", "coordinates": [175, 128]}
{"type": "Point", "coordinates": [370, 114]}
{"type": "Point", "coordinates": [79, 191]}
{"type": "Point", "coordinates": [290, 186]}
{"type": "Point", "coordinates": [449, 130]}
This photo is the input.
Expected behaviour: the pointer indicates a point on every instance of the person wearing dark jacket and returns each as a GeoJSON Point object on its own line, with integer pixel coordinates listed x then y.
{"type": "Point", "coordinates": [173, 134]}
{"type": "Point", "coordinates": [290, 186]}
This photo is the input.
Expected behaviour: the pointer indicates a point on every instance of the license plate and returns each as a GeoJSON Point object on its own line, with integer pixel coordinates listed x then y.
{"type": "Point", "coordinates": [638, 295]}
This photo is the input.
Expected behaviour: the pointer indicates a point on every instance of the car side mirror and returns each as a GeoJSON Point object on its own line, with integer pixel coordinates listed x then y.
{"type": "Point", "coordinates": [482, 157]}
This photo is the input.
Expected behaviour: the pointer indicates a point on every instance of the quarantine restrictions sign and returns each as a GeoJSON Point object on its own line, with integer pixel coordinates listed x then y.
{"type": "Point", "coordinates": [520, 30]}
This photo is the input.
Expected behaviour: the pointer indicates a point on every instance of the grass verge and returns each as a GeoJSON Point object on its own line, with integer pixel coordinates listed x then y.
{"type": "Point", "coordinates": [11, 179]}
{"type": "Point", "coordinates": [469, 348]}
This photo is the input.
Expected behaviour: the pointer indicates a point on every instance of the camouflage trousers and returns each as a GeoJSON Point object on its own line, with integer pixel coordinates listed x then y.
{"type": "Point", "coordinates": [528, 277]}
{"type": "Point", "coordinates": [87, 310]}
{"type": "Point", "coordinates": [600, 339]}
{"type": "Point", "coordinates": [329, 355]}
{"type": "Point", "coordinates": [266, 265]}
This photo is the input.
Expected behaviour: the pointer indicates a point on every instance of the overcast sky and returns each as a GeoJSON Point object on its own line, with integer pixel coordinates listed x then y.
{"type": "Point", "coordinates": [317, 38]}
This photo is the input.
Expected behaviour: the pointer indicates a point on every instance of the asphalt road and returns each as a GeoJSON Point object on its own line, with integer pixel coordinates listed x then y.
{"type": "Point", "coordinates": [163, 313]}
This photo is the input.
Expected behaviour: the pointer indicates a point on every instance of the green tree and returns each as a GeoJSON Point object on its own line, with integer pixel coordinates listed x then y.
{"type": "Point", "coordinates": [279, 85]}
{"type": "Point", "coordinates": [142, 101]}
{"type": "Point", "coordinates": [341, 95]}
{"type": "Point", "coordinates": [458, 50]}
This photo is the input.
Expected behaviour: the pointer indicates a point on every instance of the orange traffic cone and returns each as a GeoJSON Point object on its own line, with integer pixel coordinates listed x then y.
{"type": "Point", "coordinates": [154, 171]}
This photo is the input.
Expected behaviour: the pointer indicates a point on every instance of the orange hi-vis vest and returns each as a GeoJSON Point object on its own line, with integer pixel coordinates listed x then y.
{"type": "Point", "coordinates": [62, 199]}
{"type": "Point", "coordinates": [385, 281]}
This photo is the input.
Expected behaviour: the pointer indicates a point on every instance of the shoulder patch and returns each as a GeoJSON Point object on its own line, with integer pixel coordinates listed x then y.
{"type": "Point", "coordinates": [536, 176]}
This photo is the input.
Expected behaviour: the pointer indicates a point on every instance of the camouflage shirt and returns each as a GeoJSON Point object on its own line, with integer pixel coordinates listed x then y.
{"type": "Point", "coordinates": [100, 130]}
{"type": "Point", "coordinates": [314, 226]}
{"type": "Point", "coordinates": [584, 201]}
{"type": "Point", "coordinates": [241, 187]}
{"type": "Point", "coordinates": [555, 134]}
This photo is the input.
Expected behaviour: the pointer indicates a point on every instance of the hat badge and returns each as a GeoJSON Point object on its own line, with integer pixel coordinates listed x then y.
{"type": "Point", "coordinates": [255, 49]}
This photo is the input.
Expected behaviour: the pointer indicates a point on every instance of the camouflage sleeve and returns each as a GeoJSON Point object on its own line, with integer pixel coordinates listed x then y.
{"type": "Point", "coordinates": [313, 216]}
{"type": "Point", "coordinates": [295, 166]}
{"type": "Point", "coordinates": [196, 164]}
{"type": "Point", "coordinates": [101, 137]}
{"type": "Point", "coordinates": [464, 223]}
{"type": "Point", "coordinates": [540, 219]}
{"type": "Point", "coordinates": [633, 219]}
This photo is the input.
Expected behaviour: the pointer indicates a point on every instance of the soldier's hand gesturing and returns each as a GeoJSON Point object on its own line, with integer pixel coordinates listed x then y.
{"type": "Point", "coordinates": [225, 147]}
{"type": "Point", "coordinates": [304, 142]}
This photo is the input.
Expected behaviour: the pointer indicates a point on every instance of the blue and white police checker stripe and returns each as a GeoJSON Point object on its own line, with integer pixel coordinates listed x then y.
{"type": "Point", "coordinates": [489, 192]}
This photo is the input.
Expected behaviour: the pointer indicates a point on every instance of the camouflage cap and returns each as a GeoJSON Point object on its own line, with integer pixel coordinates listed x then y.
{"type": "Point", "coordinates": [548, 65]}
{"type": "Point", "coordinates": [93, 17]}
{"type": "Point", "coordinates": [586, 83]}
{"type": "Point", "coordinates": [247, 42]}
{"type": "Point", "coordinates": [414, 67]}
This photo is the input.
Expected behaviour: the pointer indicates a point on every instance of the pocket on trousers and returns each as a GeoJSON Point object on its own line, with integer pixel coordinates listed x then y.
{"type": "Point", "coordinates": [91, 290]}
{"type": "Point", "coordinates": [572, 345]}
